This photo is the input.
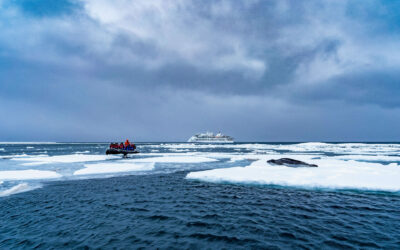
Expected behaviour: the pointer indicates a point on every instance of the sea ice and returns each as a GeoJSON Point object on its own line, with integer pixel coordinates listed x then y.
{"type": "Point", "coordinates": [23, 187]}
{"type": "Point", "coordinates": [369, 157]}
{"type": "Point", "coordinates": [343, 148]}
{"type": "Point", "coordinates": [102, 168]}
{"type": "Point", "coordinates": [308, 147]}
{"type": "Point", "coordinates": [176, 159]}
{"type": "Point", "coordinates": [13, 156]}
{"type": "Point", "coordinates": [44, 159]}
{"type": "Point", "coordinates": [18, 143]}
{"type": "Point", "coordinates": [82, 152]}
{"type": "Point", "coordinates": [28, 174]}
{"type": "Point", "coordinates": [331, 173]}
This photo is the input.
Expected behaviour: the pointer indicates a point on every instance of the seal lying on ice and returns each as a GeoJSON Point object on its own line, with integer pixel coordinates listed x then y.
{"type": "Point", "coordinates": [291, 163]}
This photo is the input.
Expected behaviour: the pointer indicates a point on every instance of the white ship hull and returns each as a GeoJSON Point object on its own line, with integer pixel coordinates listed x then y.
{"type": "Point", "coordinates": [211, 138]}
{"type": "Point", "coordinates": [218, 142]}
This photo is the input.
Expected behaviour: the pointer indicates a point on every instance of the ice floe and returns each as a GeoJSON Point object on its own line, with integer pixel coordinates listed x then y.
{"type": "Point", "coordinates": [331, 173]}
{"type": "Point", "coordinates": [103, 168]}
{"type": "Point", "coordinates": [19, 188]}
{"type": "Point", "coordinates": [341, 148]}
{"type": "Point", "coordinates": [338, 148]}
{"type": "Point", "coordinates": [140, 164]}
{"type": "Point", "coordinates": [386, 158]}
{"type": "Point", "coordinates": [44, 159]}
{"type": "Point", "coordinates": [82, 152]}
{"type": "Point", "coordinates": [29, 174]}
{"type": "Point", "coordinates": [13, 156]}
{"type": "Point", "coordinates": [176, 159]}
{"type": "Point", "coordinates": [18, 143]}
{"type": "Point", "coordinates": [341, 165]}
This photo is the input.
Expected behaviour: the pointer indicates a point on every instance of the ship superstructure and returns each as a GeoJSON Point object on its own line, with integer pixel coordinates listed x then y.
{"type": "Point", "coordinates": [211, 138]}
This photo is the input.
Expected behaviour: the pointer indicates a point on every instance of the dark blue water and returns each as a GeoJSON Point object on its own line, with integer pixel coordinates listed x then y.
{"type": "Point", "coordinates": [169, 211]}
{"type": "Point", "coordinates": [161, 208]}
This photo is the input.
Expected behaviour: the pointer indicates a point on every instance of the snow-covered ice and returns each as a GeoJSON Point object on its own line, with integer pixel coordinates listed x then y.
{"type": "Point", "coordinates": [103, 168]}
{"type": "Point", "coordinates": [45, 159]}
{"type": "Point", "coordinates": [331, 173]}
{"type": "Point", "coordinates": [177, 159]}
{"type": "Point", "coordinates": [28, 174]}
{"type": "Point", "coordinates": [341, 165]}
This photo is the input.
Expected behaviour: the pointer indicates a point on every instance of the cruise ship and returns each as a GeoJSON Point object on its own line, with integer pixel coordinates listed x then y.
{"type": "Point", "coordinates": [211, 138]}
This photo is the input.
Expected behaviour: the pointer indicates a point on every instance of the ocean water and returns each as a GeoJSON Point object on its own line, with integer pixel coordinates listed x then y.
{"type": "Point", "coordinates": [180, 195]}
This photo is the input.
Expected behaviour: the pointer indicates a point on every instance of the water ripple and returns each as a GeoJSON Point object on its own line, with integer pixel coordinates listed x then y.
{"type": "Point", "coordinates": [168, 211]}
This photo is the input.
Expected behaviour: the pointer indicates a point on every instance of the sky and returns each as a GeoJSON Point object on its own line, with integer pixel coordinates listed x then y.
{"type": "Point", "coordinates": [162, 70]}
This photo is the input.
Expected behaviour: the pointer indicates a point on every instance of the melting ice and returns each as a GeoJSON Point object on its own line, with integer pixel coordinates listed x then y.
{"type": "Point", "coordinates": [341, 165]}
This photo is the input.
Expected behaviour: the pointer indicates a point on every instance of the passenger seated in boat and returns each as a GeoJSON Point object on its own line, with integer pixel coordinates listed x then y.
{"type": "Point", "coordinates": [127, 145]}
{"type": "Point", "coordinates": [131, 147]}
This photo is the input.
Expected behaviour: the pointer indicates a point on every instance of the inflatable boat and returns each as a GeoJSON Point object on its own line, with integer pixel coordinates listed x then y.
{"type": "Point", "coordinates": [116, 151]}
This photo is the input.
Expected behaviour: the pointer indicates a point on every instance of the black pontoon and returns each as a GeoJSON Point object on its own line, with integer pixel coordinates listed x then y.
{"type": "Point", "coordinates": [121, 148]}
{"type": "Point", "coordinates": [115, 151]}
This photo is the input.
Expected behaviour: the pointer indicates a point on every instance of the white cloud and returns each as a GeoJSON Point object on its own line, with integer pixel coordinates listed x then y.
{"type": "Point", "coordinates": [179, 33]}
{"type": "Point", "coordinates": [222, 37]}
{"type": "Point", "coordinates": [356, 47]}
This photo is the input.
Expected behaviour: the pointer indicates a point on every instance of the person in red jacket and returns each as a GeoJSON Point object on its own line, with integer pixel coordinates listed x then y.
{"type": "Point", "coordinates": [127, 143]}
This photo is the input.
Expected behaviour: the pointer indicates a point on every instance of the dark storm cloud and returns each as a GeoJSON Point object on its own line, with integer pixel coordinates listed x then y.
{"type": "Point", "coordinates": [163, 70]}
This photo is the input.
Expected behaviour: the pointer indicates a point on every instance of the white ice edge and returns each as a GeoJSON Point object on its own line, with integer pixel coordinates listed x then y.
{"type": "Point", "coordinates": [45, 159]}
{"type": "Point", "coordinates": [386, 158]}
{"type": "Point", "coordinates": [334, 172]}
{"type": "Point", "coordinates": [30, 160]}
{"type": "Point", "coordinates": [19, 188]}
{"type": "Point", "coordinates": [331, 174]}
{"type": "Point", "coordinates": [28, 174]}
{"type": "Point", "coordinates": [141, 164]}
{"type": "Point", "coordinates": [176, 159]}
{"type": "Point", "coordinates": [103, 168]}
{"type": "Point", "coordinates": [34, 143]}
{"type": "Point", "coordinates": [340, 148]}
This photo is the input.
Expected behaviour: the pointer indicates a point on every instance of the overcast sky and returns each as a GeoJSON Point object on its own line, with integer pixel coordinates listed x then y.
{"type": "Point", "coordinates": [160, 70]}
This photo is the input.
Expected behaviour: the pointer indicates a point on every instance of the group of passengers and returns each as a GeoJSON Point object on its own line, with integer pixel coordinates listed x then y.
{"type": "Point", "coordinates": [126, 146]}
